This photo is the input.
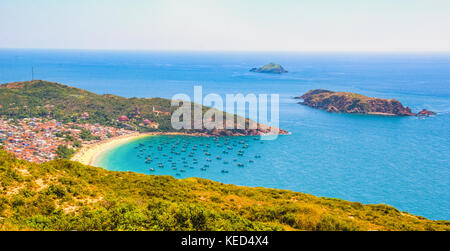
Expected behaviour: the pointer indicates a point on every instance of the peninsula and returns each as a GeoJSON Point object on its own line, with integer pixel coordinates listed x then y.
{"type": "Point", "coordinates": [347, 102]}
{"type": "Point", "coordinates": [270, 68]}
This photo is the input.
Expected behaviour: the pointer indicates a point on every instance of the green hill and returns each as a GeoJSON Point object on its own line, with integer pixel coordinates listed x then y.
{"type": "Point", "coordinates": [66, 104]}
{"type": "Point", "coordinates": [64, 195]}
{"type": "Point", "coordinates": [47, 99]}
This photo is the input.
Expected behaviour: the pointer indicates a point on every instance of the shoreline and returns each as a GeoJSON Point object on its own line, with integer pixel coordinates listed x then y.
{"type": "Point", "coordinates": [89, 153]}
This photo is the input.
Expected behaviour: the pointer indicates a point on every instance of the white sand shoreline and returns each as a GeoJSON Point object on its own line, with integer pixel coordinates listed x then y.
{"type": "Point", "coordinates": [89, 154]}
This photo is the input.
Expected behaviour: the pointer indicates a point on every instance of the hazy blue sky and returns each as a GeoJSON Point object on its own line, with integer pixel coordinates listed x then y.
{"type": "Point", "coordinates": [275, 25]}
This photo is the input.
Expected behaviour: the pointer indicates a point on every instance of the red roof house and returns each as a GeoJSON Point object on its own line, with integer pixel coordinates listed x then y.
{"type": "Point", "coordinates": [123, 118]}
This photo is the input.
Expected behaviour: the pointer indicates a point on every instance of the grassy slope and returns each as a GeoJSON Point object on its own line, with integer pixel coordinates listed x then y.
{"type": "Point", "coordinates": [41, 98]}
{"type": "Point", "coordinates": [63, 195]}
{"type": "Point", "coordinates": [353, 96]}
{"type": "Point", "coordinates": [53, 100]}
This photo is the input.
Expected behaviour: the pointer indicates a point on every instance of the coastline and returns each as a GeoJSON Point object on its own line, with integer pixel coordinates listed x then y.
{"type": "Point", "coordinates": [89, 153]}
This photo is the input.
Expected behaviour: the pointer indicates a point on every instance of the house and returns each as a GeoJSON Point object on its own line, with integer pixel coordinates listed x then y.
{"type": "Point", "coordinates": [151, 124]}
{"type": "Point", "coordinates": [123, 118]}
{"type": "Point", "coordinates": [157, 112]}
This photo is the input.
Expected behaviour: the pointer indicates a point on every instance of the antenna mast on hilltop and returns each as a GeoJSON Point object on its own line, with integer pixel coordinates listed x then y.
{"type": "Point", "coordinates": [32, 73]}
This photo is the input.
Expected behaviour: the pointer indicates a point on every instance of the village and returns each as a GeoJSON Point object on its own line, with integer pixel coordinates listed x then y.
{"type": "Point", "coordinates": [37, 139]}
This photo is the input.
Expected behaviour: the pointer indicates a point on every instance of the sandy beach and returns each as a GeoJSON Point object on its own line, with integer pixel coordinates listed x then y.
{"type": "Point", "coordinates": [89, 153]}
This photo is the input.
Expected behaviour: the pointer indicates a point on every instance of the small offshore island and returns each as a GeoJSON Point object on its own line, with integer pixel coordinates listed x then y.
{"type": "Point", "coordinates": [270, 68]}
{"type": "Point", "coordinates": [347, 102]}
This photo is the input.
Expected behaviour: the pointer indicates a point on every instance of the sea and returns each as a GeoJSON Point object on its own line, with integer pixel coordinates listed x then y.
{"type": "Point", "coordinates": [398, 161]}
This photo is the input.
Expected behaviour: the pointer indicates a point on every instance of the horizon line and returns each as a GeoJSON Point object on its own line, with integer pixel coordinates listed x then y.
{"type": "Point", "coordinates": [229, 51]}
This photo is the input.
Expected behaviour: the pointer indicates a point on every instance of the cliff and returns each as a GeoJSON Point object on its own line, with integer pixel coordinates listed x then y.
{"type": "Point", "coordinates": [347, 102]}
{"type": "Point", "coordinates": [270, 68]}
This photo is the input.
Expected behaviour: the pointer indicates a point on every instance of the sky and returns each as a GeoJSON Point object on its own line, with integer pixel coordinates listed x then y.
{"type": "Point", "coordinates": [227, 25]}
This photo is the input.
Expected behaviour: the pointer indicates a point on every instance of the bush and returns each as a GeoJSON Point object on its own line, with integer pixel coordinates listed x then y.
{"type": "Point", "coordinates": [64, 152]}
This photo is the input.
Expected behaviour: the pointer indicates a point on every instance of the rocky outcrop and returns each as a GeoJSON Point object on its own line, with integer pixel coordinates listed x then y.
{"type": "Point", "coordinates": [241, 132]}
{"type": "Point", "coordinates": [426, 113]}
{"type": "Point", "coordinates": [347, 102]}
{"type": "Point", "coordinates": [270, 68]}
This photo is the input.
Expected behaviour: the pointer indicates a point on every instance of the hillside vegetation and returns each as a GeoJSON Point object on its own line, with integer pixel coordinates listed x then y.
{"type": "Point", "coordinates": [348, 102]}
{"type": "Point", "coordinates": [51, 100]}
{"type": "Point", "coordinates": [63, 103]}
{"type": "Point", "coordinates": [64, 195]}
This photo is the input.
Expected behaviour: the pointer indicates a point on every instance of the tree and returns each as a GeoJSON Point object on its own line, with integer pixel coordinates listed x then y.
{"type": "Point", "coordinates": [64, 152]}
{"type": "Point", "coordinates": [86, 135]}
{"type": "Point", "coordinates": [77, 143]}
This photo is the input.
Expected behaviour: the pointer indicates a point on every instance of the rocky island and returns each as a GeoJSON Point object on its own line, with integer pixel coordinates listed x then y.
{"type": "Point", "coordinates": [270, 68]}
{"type": "Point", "coordinates": [347, 102]}
{"type": "Point", "coordinates": [426, 113]}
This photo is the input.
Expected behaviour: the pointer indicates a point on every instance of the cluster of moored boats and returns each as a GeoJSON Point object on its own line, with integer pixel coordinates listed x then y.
{"type": "Point", "coordinates": [180, 154]}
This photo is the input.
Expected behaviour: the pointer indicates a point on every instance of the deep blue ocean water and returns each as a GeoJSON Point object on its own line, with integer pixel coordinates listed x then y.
{"type": "Point", "coordinates": [404, 162]}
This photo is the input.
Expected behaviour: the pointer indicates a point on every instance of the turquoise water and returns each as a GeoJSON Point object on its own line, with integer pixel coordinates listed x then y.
{"type": "Point", "coordinates": [402, 162]}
